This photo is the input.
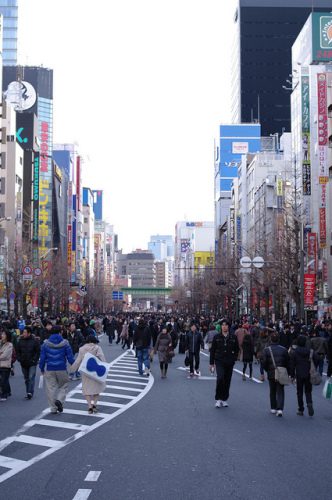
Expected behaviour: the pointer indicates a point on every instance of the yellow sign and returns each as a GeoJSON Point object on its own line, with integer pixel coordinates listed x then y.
{"type": "Point", "coordinates": [279, 187]}
{"type": "Point", "coordinates": [323, 180]}
{"type": "Point", "coordinates": [57, 172]}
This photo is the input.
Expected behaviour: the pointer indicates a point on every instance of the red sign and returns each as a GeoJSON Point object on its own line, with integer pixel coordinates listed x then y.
{"type": "Point", "coordinates": [322, 228]}
{"type": "Point", "coordinates": [309, 289]}
{"type": "Point", "coordinates": [312, 252]}
{"type": "Point", "coordinates": [322, 109]}
{"type": "Point", "coordinates": [34, 297]}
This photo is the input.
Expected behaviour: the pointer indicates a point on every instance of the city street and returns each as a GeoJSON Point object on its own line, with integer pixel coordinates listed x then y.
{"type": "Point", "coordinates": [164, 439]}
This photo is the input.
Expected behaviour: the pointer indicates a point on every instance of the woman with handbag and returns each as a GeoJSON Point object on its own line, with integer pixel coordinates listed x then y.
{"type": "Point", "coordinates": [90, 388]}
{"type": "Point", "coordinates": [275, 360]}
{"type": "Point", "coordinates": [163, 348]}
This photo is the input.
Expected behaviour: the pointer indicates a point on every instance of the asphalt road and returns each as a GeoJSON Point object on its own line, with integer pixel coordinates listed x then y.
{"type": "Point", "coordinates": [174, 444]}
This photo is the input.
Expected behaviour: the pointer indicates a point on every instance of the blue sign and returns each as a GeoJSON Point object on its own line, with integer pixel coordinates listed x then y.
{"type": "Point", "coordinates": [117, 295]}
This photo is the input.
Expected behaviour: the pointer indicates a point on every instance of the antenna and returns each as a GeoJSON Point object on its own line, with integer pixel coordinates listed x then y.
{"type": "Point", "coordinates": [258, 109]}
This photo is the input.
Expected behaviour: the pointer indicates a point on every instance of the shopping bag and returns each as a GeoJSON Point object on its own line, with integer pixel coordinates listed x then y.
{"type": "Point", "coordinates": [93, 368]}
{"type": "Point", "coordinates": [327, 390]}
{"type": "Point", "coordinates": [41, 382]}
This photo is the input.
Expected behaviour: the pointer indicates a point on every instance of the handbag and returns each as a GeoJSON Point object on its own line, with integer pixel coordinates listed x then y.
{"type": "Point", "coordinates": [93, 368]}
{"type": "Point", "coordinates": [315, 376]}
{"type": "Point", "coordinates": [327, 389]}
{"type": "Point", "coordinates": [170, 353]}
{"type": "Point", "coordinates": [280, 372]}
{"type": "Point", "coordinates": [186, 361]}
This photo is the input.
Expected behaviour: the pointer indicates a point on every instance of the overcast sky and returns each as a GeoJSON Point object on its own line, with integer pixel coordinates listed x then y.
{"type": "Point", "coordinates": [141, 86]}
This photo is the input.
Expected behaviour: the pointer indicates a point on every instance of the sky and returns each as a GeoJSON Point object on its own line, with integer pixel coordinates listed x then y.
{"type": "Point", "coordinates": [141, 87]}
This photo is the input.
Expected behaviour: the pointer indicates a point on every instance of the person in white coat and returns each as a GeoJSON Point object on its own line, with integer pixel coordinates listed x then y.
{"type": "Point", "coordinates": [91, 389]}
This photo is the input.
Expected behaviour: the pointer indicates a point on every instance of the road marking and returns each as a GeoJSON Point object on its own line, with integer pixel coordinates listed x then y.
{"type": "Point", "coordinates": [214, 378]}
{"type": "Point", "coordinates": [253, 378]}
{"type": "Point", "coordinates": [120, 396]}
{"type": "Point", "coordinates": [82, 494]}
{"type": "Point", "coordinates": [126, 382]}
{"type": "Point", "coordinates": [123, 371]}
{"type": "Point", "coordinates": [93, 475]}
{"type": "Point", "coordinates": [15, 466]}
{"type": "Point", "coordinates": [128, 377]}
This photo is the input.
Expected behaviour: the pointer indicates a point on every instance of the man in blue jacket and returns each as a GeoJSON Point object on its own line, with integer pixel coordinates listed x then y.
{"type": "Point", "coordinates": [55, 353]}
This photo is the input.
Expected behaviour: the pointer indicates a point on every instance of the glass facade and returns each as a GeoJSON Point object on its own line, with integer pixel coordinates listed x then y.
{"type": "Point", "coordinates": [9, 10]}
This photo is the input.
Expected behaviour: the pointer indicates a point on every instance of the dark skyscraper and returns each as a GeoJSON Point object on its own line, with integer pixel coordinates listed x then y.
{"type": "Point", "coordinates": [265, 33]}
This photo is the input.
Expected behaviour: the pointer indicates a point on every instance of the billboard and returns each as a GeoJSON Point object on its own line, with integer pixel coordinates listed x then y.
{"type": "Point", "coordinates": [322, 153]}
{"type": "Point", "coordinates": [35, 198]}
{"type": "Point", "coordinates": [309, 289]}
{"type": "Point", "coordinates": [306, 162]}
{"type": "Point", "coordinates": [241, 148]}
{"type": "Point", "coordinates": [321, 37]}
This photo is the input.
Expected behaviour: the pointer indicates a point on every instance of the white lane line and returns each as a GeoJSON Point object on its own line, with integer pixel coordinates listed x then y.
{"type": "Point", "coordinates": [120, 396]}
{"type": "Point", "coordinates": [84, 413]}
{"type": "Point", "coordinates": [15, 466]}
{"type": "Point", "coordinates": [60, 423]}
{"type": "Point", "coordinates": [82, 494]}
{"type": "Point", "coordinates": [93, 475]}
{"type": "Point", "coordinates": [23, 438]}
{"type": "Point", "coordinates": [237, 371]}
{"type": "Point", "coordinates": [254, 379]}
{"type": "Point", "coordinates": [100, 403]}
{"type": "Point", "coordinates": [125, 382]}
{"type": "Point", "coordinates": [11, 463]}
{"type": "Point", "coordinates": [123, 388]}
{"type": "Point", "coordinates": [127, 377]}
{"type": "Point", "coordinates": [121, 371]}
{"type": "Point", "coordinates": [126, 367]}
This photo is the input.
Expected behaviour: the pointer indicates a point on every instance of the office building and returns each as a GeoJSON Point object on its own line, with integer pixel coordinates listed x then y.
{"type": "Point", "coordinates": [265, 31]}
{"type": "Point", "coordinates": [9, 11]}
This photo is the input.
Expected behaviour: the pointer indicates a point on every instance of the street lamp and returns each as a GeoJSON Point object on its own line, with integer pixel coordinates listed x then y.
{"type": "Point", "coordinates": [47, 252]}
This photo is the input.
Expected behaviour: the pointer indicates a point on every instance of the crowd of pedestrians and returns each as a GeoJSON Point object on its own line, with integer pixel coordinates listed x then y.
{"type": "Point", "coordinates": [285, 353]}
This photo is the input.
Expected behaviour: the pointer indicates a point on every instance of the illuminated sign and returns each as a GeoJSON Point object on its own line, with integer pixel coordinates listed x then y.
{"type": "Point", "coordinates": [45, 191]}
{"type": "Point", "coordinates": [35, 198]}
{"type": "Point", "coordinates": [57, 172]}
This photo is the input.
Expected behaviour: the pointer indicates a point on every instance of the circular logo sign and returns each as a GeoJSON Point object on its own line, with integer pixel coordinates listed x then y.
{"type": "Point", "coordinates": [37, 271]}
{"type": "Point", "coordinates": [27, 270]}
{"type": "Point", "coordinates": [20, 95]}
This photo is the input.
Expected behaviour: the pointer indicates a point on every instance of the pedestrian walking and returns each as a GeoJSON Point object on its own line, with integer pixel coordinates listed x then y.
{"type": "Point", "coordinates": [142, 342]}
{"type": "Point", "coordinates": [125, 335]}
{"type": "Point", "coordinates": [210, 336]}
{"type": "Point", "coordinates": [275, 355]}
{"type": "Point", "coordinates": [194, 344]}
{"type": "Point", "coordinates": [247, 355]}
{"type": "Point", "coordinates": [262, 342]}
{"type": "Point", "coordinates": [300, 363]}
{"type": "Point", "coordinates": [76, 340]}
{"type": "Point", "coordinates": [91, 388]}
{"type": "Point", "coordinates": [319, 345]}
{"type": "Point", "coordinates": [27, 352]}
{"type": "Point", "coordinates": [6, 353]}
{"type": "Point", "coordinates": [55, 353]}
{"type": "Point", "coordinates": [223, 355]}
{"type": "Point", "coordinates": [162, 347]}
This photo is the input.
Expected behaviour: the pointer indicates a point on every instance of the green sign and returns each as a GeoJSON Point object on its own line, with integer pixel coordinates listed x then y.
{"type": "Point", "coordinates": [146, 291]}
{"type": "Point", "coordinates": [321, 37]}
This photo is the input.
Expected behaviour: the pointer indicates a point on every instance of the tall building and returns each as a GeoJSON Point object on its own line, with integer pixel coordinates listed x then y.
{"type": "Point", "coordinates": [9, 10]}
{"type": "Point", "coordinates": [265, 31]}
{"type": "Point", "coordinates": [29, 89]}
{"type": "Point", "coordinates": [162, 246]}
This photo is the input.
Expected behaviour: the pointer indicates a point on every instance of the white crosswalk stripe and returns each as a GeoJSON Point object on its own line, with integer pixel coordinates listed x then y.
{"type": "Point", "coordinates": [122, 386]}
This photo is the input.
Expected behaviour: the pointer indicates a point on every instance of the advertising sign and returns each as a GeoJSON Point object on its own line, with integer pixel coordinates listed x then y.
{"type": "Point", "coordinates": [306, 179]}
{"type": "Point", "coordinates": [185, 245]}
{"type": "Point", "coordinates": [321, 37]}
{"type": "Point", "coordinates": [45, 190]}
{"type": "Point", "coordinates": [232, 224]}
{"type": "Point", "coordinates": [241, 148]}
{"type": "Point", "coordinates": [309, 289]}
{"type": "Point", "coordinates": [35, 198]}
{"type": "Point", "coordinates": [239, 236]}
{"type": "Point", "coordinates": [312, 252]}
{"type": "Point", "coordinates": [322, 228]}
{"type": "Point", "coordinates": [322, 109]}
{"type": "Point", "coordinates": [306, 166]}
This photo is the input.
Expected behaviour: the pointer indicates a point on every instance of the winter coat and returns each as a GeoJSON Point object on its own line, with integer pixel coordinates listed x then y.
{"type": "Point", "coordinates": [248, 349]}
{"type": "Point", "coordinates": [142, 337]}
{"type": "Point", "coordinates": [6, 352]}
{"type": "Point", "coordinates": [76, 340]}
{"type": "Point", "coordinates": [319, 345]}
{"type": "Point", "coordinates": [90, 387]}
{"type": "Point", "coordinates": [224, 349]}
{"type": "Point", "coordinates": [261, 344]}
{"type": "Point", "coordinates": [209, 336]}
{"type": "Point", "coordinates": [28, 351]}
{"type": "Point", "coordinates": [281, 358]}
{"type": "Point", "coordinates": [194, 341]}
{"type": "Point", "coordinates": [299, 362]}
{"type": "Point", "coordinates": [55, 352]}
{"type": "Point", "coordinates": [124, 332]}
{"type": "Point", "coordinates": [163, 344]}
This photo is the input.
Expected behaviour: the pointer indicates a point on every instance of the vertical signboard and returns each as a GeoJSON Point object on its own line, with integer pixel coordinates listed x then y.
{"type": "Point", "coordinates": [232, 224]}
{"type": "Point", "coordinates": [322, 153]}
{"type": "Point", "coordinates": [312, 253]}
{"type": "Point", "coordinates": [45, 190]}
{"type": "Point", "coordinates": [35, 198]}
{"type": "Point", "coordinates": [306, 163]}
{"type": "Point", "coordinates": [309, 289]}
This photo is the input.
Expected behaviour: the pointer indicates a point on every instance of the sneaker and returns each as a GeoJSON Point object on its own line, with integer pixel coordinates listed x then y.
{"type": "Point", "coordinates": [28, 396]}
{"type": "Point", "coordinates": [218, 403]}
{"type": "Point", "coordinates": [59, 406]}
{"type": "Point", "coordinates": [3, 399]}
{"type": "Point", "coordinates": [243, 378]}
{"type": "Point", "coordinates": [197, 373]}
{"type": "Point", "coordinates": [273, 411]}
{"type": "Point", "coordinates": [299, 413]}
{"type": "Point", "coordinates": [190, 375]}
{"type": "Point", "coordinates": [224, 404]}
{"type": "Point", "coordinates": [311, 410]}
{"type": "Point", "coordinates": [279, 413]}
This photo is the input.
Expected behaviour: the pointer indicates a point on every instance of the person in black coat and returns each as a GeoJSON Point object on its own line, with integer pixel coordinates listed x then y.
{"type": "Point", "coordinates": [281, 358]}
{"type": "Point", "coordinates": [27, 352]}
{"type": "Point", "coordinates": [142, 343]}
{"type": "Point", "coordinates": [223, 355]}
{"type": "Point", "coordinates": [194, 343]}
{"type": "Point", "coordinates": [300, 369]}
{"type": "Point", "coordinates": [247, 355]}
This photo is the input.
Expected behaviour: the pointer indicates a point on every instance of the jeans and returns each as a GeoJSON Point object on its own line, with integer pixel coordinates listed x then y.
{"type": "Point", "coordinates": [143, 357]}
{"type": "Point", "coordinates": [245, 364]}
{"type": "Point", "coordinates": [5, 390]}
{"type": "Point", "coordinates": [303, 383]}
{"type": "Point", "coordinates": [277, 395]}
{"type": "Point", "coordinates": [224, 377]}
{"type": "Point", "coordinates": [193, 356]}
{"type": "Point", "coordinates": [321, 364]}
{"type": "Point", "coordinates": [29, 374]}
